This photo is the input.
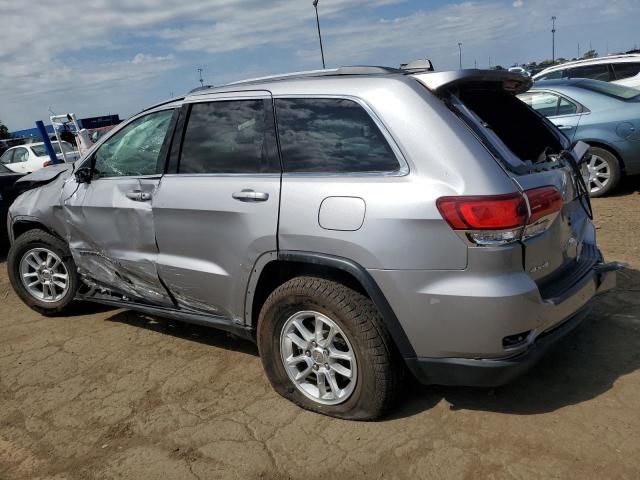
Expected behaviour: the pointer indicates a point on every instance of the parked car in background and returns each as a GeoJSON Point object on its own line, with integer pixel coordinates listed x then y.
{"type": "Point", "coordinates": [352, 222]}
{"type": "Point", "coordinates": [520, 70]}
{"type": "Point", "coordinates": [604, 115]}
{"type": "Point", "coordinates": [33, 156]}
{"type": "Point", "coordinates": [620, 69]}
{"type": "Point", "coordinates": [8, 193]}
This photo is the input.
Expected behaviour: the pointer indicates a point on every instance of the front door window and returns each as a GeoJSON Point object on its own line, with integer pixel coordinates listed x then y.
{"type": "Point", "coordinates": [134, 150]}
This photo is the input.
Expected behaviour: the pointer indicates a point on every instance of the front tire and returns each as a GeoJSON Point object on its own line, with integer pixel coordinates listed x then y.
{"type": "Point", "coordinates": [42, 272]}
{"type": "Point", "coordinates": [324, 347]}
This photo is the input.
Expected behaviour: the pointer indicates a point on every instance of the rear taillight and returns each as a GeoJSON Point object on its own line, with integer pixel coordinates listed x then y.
{"type": "Point", "coordinates": [47, 163]}
{"type": "Point", "coordinates": [496, 212]}
{"type": "Point", "coordinates": [543, 201]}
{"type": "Point", "coordinates": [500, 219]}
{"type": "Point", "coordinates": [544, 204]}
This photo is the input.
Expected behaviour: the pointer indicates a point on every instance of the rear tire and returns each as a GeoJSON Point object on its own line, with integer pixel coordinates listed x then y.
{"type": "Point", "coordinates": [363, 373]}
{"type": "Point", "coordinates": [42, 272]}
{"type": "Point", "coordinates": [603, 162]}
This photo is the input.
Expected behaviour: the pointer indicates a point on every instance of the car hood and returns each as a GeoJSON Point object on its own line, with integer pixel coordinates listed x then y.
{"type": "Point", "coordinates": [47, 174]}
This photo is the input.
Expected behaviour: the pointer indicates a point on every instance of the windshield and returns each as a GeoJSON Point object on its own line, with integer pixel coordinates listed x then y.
{"type": "Point", "coordinates": [612, 89]}
{"type": "Point", "coordinates": [40, 151]}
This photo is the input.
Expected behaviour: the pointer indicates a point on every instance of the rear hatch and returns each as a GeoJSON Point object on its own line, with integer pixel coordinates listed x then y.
{"type": "Point", "coordinates": [535, 154]}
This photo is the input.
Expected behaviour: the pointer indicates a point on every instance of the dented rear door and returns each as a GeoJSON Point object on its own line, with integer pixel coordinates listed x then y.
{"type": "Point", "coordinates": [110, 221]}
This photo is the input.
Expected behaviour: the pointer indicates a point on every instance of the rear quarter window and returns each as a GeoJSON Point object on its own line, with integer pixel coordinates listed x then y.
{"type": "Point", "coordinates": [320, 135]}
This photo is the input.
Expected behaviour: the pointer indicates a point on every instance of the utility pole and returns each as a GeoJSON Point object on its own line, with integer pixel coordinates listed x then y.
{"type": "Point", "coordinates": [315, 5]}
{"type": "Point", "coordinates": [475, 64]}
{"type": "Point", "coordinates": [553, 39]}
{"type": "Point", "coordinates": [201, 80]}
{"type": "Point", "coordinates": [460, 48]}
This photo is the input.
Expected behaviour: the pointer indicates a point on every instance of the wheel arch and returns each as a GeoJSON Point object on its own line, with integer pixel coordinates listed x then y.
{"type": "Point", "coordinates": [272, 270]}
{"type": "Point", "coordinates": [21, 225]}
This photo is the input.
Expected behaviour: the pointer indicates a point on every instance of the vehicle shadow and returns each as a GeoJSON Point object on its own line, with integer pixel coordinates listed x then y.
{"type": "Point", "coordinates": [4, 249]}
{"type": "Point", "coordinates": [628, 186]}
{"type": "Point", "coordinates": [187, 331]}
{"type": "Point", "coordinates": [581, 367]}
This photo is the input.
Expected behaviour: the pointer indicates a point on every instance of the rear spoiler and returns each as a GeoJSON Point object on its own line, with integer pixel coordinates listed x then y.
{"type": "Point", "coordinates": [438, 82]}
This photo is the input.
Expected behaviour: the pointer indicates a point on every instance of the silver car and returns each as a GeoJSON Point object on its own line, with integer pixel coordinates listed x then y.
{"type": "Point", "coordinates": [355, 223]}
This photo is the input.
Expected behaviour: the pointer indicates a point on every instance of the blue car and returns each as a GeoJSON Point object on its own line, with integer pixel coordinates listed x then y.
{"type": "Point", "coordinates": [605, 115]}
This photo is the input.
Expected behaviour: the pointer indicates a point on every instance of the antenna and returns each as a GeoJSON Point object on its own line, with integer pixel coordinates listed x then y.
{"type": "Point", "coordinates": [201, 80]}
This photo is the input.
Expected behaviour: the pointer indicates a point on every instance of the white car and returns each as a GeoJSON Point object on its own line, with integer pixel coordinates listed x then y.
{"type": "Point", "coordinates": [33, 156]}
{"type": "Point", "coordinates": [620, 69]}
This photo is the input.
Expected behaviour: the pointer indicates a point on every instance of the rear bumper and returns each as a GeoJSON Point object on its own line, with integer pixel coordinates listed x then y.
{"type": "Point", "coordinates": [479, 372]}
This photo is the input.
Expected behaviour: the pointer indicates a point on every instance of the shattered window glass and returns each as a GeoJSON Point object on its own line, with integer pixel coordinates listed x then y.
{"type": "Point", "coordinates": [134, 150]}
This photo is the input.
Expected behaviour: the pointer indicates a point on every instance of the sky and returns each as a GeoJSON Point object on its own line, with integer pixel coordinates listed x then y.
{"type": "Point", "coordinates": [95, 57]}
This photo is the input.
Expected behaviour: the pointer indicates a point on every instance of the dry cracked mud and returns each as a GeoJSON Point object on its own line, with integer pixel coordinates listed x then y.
{"type": "Point", "coordinates": [110, 394]}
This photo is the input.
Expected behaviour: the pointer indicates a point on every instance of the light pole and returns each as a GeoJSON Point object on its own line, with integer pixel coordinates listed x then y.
{"type": "Point", "coordinates": [315, 5]}
{"type": "Point", "coordinates": [460, 48]}
{"type": "Point", "coordinates": [553, 39]}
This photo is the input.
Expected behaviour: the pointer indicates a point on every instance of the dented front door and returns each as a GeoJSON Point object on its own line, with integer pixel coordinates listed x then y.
{"type": "Point", "coordinates": [110, 220]}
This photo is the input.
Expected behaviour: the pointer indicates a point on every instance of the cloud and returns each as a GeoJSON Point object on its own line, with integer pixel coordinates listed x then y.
{"type": "Point", "coordinates": [119, 54]}
{"type": "Point", "coordinates": [144, 58]}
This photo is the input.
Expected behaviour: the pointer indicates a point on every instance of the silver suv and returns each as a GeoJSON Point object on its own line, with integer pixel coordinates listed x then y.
{"type": "Point", "coordinates": [355, 223]}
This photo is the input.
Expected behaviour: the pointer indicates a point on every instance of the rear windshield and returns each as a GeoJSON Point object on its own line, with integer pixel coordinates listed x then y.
{"type": "Point", "coordinates": [506, 126]}
{"type": "Point", "coordinates": [612, 89]}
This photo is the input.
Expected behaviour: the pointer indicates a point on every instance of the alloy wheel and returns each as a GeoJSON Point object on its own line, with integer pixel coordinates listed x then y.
{"type": "Point", "coordinates": [44, 275]}
{"type": "Point", "coordinates": [318, 357]}
{"type": "Point", "coordinates": [599, 173]}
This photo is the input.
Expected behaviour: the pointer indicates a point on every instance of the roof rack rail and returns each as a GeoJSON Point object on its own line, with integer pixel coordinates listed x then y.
{"type": "Point", "coordinates": [198, 89]}
{"type": "Point", "coordinates": [418, 66]}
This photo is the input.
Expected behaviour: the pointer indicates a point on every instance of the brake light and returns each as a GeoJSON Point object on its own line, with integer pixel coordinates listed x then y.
{"type": "Point", "coordinates": [543, 201]}
{"type": "Point", "coordinates": [495, 212]}
{"type": "Point", "coordinates": [544, 204]}
{"type": "Point", "coordinates": [500, 219]}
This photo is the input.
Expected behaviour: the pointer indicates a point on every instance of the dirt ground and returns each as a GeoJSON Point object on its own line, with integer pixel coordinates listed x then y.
{"type": "Point", "coordinates": [112, 394]}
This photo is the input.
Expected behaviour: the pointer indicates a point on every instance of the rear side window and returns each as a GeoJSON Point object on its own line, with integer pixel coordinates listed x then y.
{"type": "Point", "coordinates": [625, 70]}
{"type": "Point", "coordinates": [331, 136]}
{"type": "Point", "coordinates": [544, 103]}
{"type": "Point", "coordinates": [594, 72]}
{"type": "Point", "coordinates": [236, 136]}
{"type": "Point", "coordinates": [20, 155]}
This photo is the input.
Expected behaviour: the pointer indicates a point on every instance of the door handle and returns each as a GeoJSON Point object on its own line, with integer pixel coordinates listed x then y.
{"type": "Point", "coordinates": [565, 127]}
{"type": "Point", "coordinates": [138, 196]}
{"type": "Point", "coordinates": [248, 195]}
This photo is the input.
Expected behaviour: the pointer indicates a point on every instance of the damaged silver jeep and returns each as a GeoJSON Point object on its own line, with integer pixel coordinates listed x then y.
{"type": "Point", "coordinates": [355, 223]}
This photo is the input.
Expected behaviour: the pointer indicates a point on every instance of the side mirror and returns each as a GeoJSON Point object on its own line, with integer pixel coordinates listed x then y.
{"type": "Point", "coordinates": [83, 175]}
